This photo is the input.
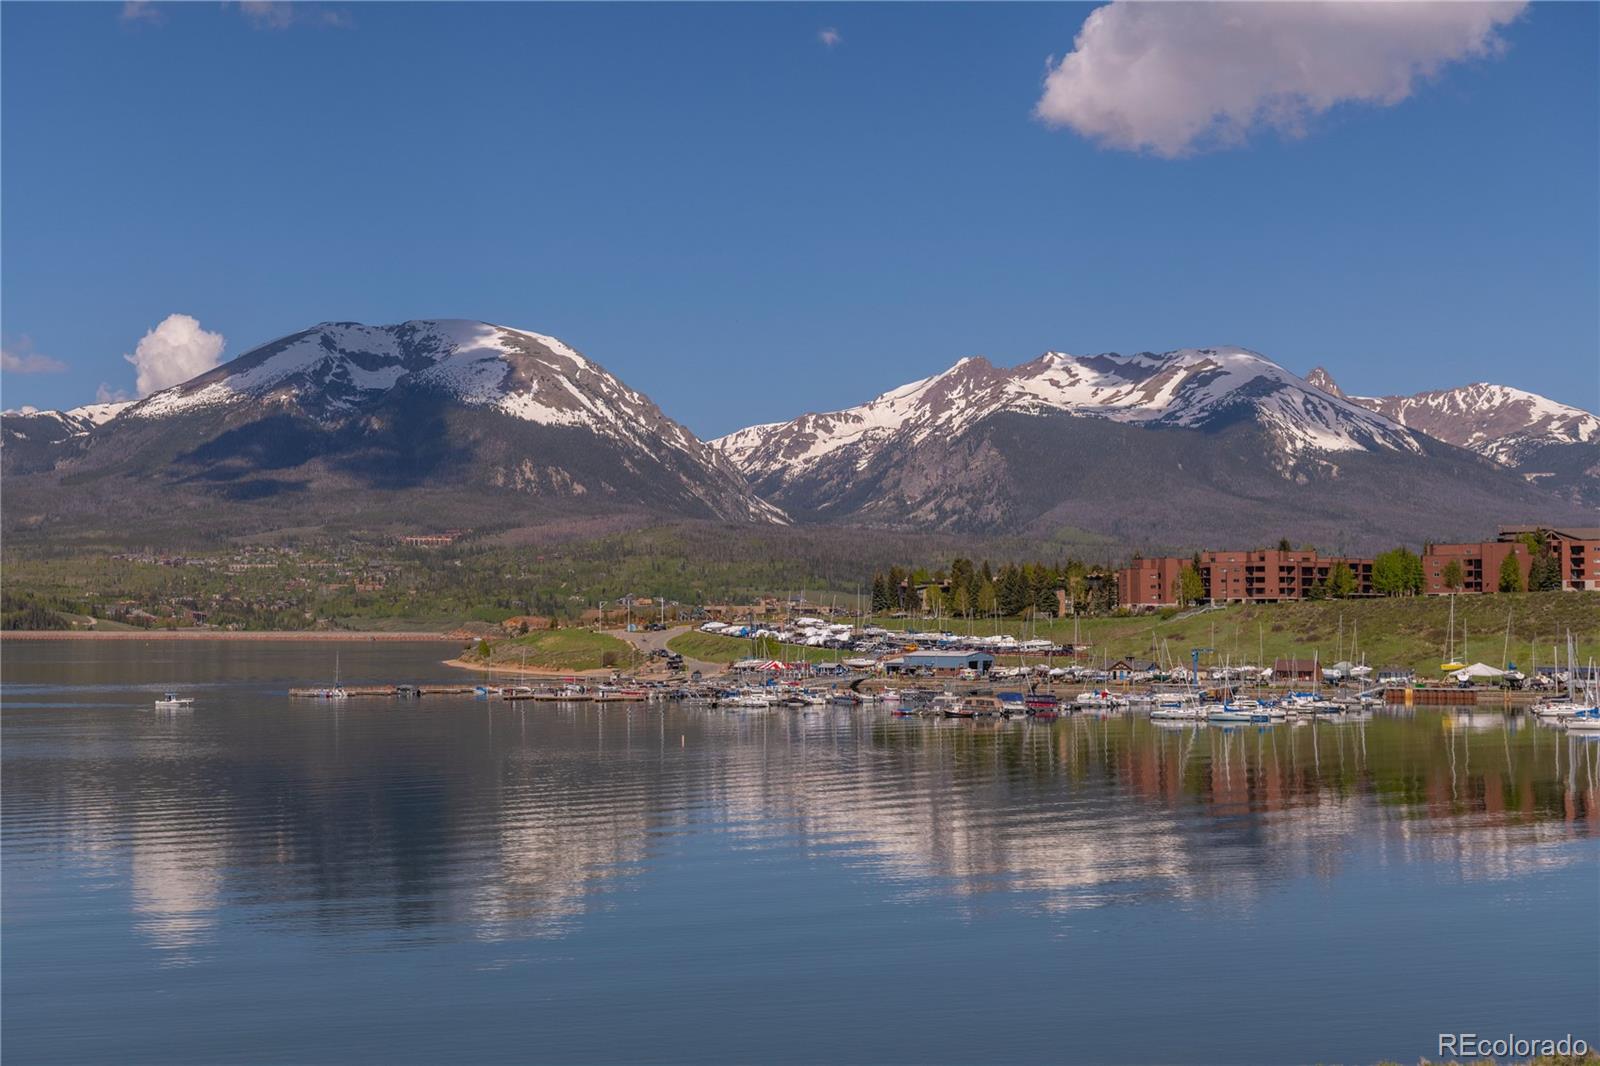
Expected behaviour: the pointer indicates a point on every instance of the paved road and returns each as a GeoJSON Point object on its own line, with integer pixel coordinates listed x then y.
{"type": "Point", "coordinates": [648, 642]}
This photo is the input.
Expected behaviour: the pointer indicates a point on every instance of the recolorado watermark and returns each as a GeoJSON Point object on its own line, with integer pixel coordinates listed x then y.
{"type": "Point", "coordinates": [1473, 1046]}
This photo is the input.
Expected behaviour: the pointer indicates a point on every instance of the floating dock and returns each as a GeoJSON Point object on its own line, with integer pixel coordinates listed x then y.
{"type": "Point", "coordinates": [391, 691]}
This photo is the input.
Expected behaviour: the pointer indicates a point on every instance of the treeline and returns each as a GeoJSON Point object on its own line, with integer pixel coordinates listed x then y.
{"type": "Point", "coordinates": [967, 590]}
{"type": "Point", "coordinates": [27, 612]}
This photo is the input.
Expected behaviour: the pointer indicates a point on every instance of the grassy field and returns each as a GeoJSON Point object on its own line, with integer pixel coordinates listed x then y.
{"type": "Point", "coordinates": [560, 649]}
{"type": "Point", "coordinates": [1409, 632]}
{"type": "Point", "coordinates": [710, 648]}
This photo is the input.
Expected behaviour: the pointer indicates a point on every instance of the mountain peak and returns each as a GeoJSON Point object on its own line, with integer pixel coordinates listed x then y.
{"type": "Point", "coordinates": [1193, 388]}
{"type": "Point", "coordinates": [1323, 380]}
{"type": "Point", "coordinates": [442, 403]}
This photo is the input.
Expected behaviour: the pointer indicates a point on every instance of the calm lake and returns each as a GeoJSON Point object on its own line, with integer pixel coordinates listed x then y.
{"type": "Point", "coordinates": [455, 880]}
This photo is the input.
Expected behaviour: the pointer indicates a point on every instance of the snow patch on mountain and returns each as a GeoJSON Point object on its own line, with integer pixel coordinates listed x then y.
{"type": "Point", "coordinates": [1191, 388]}
{"type": "Point", "coordinates": [1500, 422]}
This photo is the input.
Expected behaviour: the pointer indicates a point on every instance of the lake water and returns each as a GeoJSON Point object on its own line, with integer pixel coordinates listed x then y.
{"type": "Point", "coordinates": [468, 881]}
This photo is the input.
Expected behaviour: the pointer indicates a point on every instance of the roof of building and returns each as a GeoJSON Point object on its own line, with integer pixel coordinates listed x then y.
{"type": "Point", "coordinates": [1566, 532]}
{"type": "Point", "coordinates": [931, 658]}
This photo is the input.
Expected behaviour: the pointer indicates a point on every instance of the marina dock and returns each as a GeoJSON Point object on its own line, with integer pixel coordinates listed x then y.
{"type": "Point", "coordinates": [391, 691]}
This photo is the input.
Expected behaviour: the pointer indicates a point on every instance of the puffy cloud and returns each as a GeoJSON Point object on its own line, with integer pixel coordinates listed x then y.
{"type": "Point", "coordinates": [172, 353]}
{"type": "Point", "coordinates": [829, 36]}
{"type": "Point", "coordinates": [1176, 78]}
{"type": "Point", "coordinates": [106, 394]}
{"type": "Point", "coordinates": [20, 358]}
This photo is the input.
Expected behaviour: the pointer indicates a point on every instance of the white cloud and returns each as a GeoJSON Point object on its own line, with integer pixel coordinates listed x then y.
{"type": "Point", "coordinates": [106, 394]}
{"type": "Point", "coordinates": [172, 353]}
{"type": "Point", "coordinates": [268, 14]}
{"type": "Point", "coordinates": [281, 14]}
{"type": "Point", "coordinates": [140, 11]}
{"type": "Point", "coordinates": [1176, 78]}
{"type": "Point", "coordinates": [20, 358]}
{"type": "Point", "coordinates": [830, 36]}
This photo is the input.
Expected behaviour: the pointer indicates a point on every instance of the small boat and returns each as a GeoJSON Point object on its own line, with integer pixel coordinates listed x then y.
{"type": "Point", "coordinates": [171, 701]}
{"type": "Point", "coordinates": [1585, 721]}
{"type": "Point", "coordinates": [1042, 701]}
{"type": "Point", "coordinates": [1225, 714]}
{"type": "Point", "coordinates": [982, 707]}
{"type": "Point", "coordinates": [949, 705]}
{"type": "Point", "coordinates": [1180, 707]}
{"type": "Point", "coordinates": [518, 692]}
{"type": "Point", "coordinates": [1557, 709]}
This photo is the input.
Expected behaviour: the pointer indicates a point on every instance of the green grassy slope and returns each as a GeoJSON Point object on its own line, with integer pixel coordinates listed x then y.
{"type": "Point", "coordinates": [1407, 632]}
{"type": "Point", "coordinates": [560, 649]}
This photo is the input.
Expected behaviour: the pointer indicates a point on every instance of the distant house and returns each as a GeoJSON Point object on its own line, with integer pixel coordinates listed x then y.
{"type": "Point", "coordinates": [1124, 669]}
{"type": "Point", "coordinates": [1295, 669]}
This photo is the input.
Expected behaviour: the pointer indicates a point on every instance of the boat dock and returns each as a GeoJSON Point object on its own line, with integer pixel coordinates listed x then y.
{"type": "Point", "coordinates": [407, 691]}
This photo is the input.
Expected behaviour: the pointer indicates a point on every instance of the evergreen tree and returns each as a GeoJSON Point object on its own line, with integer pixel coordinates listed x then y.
{"type": "Point", "coordinates": [1510, 574]}
{"type": "Point", "coordinates": [882, 602]}
{"type": "Point", "coordinates": [986, 598]}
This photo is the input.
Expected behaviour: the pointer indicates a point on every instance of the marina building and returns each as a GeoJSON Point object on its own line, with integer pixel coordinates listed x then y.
{"type": "Point", "coordinates": [940, 663]}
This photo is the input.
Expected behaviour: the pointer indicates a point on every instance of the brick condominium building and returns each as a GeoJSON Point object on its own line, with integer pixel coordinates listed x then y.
{"type": "Point", "coordinates": [1480, 565]}
{"type": "Point", "coordinates": [1150, 582]}
{"type": "Point", "coordinates": [1265, 576]}
{"type": "Point", "coordinates": [1577, 548]}
{"type": "Point", "coordinates": [1271, 576]}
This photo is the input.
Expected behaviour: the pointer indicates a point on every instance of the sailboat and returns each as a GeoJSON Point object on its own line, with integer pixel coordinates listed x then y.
{"type": "Point", "coordinates": [337, 692]}
{"type": "Point", "coordinates": [1578, 714]}
{"type": "Point", "coordinates": [1450, 642]}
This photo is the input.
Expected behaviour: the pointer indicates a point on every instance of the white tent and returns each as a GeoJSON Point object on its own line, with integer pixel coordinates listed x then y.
{"type": "Point", "coordinates": [1476, 671]}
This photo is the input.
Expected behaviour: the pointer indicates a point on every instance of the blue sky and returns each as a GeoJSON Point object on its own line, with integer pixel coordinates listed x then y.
{"type": "Point", "coordinates": [747, 222]}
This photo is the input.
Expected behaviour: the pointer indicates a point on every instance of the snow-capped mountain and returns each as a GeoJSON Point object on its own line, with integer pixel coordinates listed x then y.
{"type": "Point", "coordinates": [32, 439]}
{"type": "Point", "coordinates": [1143, 447]}
{"type": "Point", "coordinates": [315, 418]}
{"type": "Point", "coordinates": [1192, 388]}
{"type": "Point", "coordinates": [1547, 442]}
{"type": "Point", "coordinates": [1497, 421]}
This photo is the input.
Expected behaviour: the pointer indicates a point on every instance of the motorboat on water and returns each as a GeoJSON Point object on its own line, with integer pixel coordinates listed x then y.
{"type": "Point", "coordinates": [1176, 707]}
{"type": "Point", "coordinates": [948, 704]}
{"type": "Point", "coordinates": [171, 701]}
{"type": "Point", "coordinates": [982, 707]}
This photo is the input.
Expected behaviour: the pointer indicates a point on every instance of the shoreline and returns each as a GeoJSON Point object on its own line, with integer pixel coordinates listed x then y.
{"type": "Point", "coordinates": [531, 671]}
{"type": "Point", "coordinates": [214, 634]}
